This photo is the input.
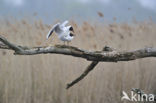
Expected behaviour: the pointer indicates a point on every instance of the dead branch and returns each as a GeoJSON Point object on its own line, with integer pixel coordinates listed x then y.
{"type": "Point", "coordinates": [101, 56]}
{"type": "Point", "coordinates": [88, 69]}
{"type": "Point", "coordinates": [106, 55]}
{"type": "Point", "coordinates": [3, 46]}
{"type": "Point", "coordinates": [10, 45]}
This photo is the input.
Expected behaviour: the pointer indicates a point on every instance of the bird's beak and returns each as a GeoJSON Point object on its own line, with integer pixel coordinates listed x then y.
{"type": "Point", "coordinates": [71, 34]}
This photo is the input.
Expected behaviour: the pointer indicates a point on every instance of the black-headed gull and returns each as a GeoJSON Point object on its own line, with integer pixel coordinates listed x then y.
{"type": "Point", "coordinates": [63, 32]}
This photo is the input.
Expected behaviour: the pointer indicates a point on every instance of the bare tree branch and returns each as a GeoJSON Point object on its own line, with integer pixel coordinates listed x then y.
{"type": "Point", "coordinates": [101, 56]}
{"type": "Point", "coordinates": [3, 46]}
{"type": "Point", "coordinates": [88, 69]}
{"type": "Point", "coordinates": [10, 45]}
{"type": "Point", "coordinates": [106, 55]}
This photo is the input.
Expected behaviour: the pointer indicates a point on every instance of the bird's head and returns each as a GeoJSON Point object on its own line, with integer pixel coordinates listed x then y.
{"type": "Point", "coordinates": [71, 29]}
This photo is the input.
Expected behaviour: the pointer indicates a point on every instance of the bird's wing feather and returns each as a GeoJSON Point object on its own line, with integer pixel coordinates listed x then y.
{"type": "Point", "coordinates": [64, 23]}
{"type": "Point", "coordinates": [52, 30]}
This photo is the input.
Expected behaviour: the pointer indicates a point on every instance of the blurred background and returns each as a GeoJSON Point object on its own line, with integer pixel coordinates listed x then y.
{"type": "Point", "coordinates": [50, 10]}
{"type": "Point", "coordinates": [120, 24]}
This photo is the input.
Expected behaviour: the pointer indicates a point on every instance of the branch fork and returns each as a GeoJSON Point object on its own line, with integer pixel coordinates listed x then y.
{"type": "Point", "coordinates": [108, 54]}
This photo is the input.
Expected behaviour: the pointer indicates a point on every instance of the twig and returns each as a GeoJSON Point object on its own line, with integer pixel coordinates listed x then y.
{"type": "Point", "coordinates": [89, 68]}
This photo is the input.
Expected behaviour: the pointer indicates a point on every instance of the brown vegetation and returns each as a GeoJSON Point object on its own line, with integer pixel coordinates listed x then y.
{"type": "Point", "coordinates": [43, 78]}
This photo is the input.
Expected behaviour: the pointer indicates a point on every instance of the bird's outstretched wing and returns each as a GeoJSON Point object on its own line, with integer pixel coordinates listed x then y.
{"type": "Point", "coordinates": [52, 30]}
{"type": "Point", "coordinates": [64, 23]}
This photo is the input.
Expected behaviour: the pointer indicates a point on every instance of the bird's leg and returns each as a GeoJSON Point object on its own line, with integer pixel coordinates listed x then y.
{"type": "Point", "coordinates": [68, 43]}
{"type": "Point", "coordinates": [64, 42]}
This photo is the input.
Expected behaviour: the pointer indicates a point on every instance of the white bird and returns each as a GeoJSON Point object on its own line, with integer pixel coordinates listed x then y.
{"type": "Point", "coordinates": [63, 32]}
